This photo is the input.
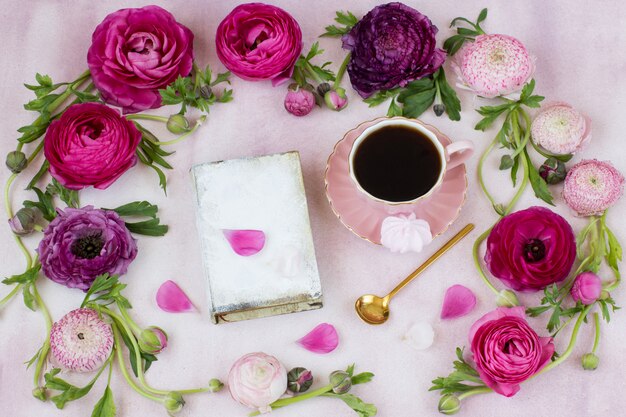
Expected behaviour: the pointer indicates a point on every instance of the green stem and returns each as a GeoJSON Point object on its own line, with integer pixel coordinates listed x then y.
{"type": "Point", "coordinates": [152, 117]}
{"type": "Point", "coordinates": [135, 328]}
{"type": "Point", "coordinates": [36, 152]}
{"type": "Point", "coordinates": [311, 73]}
{"type": "Point", "coordinates": [475, 254]}
{"type": "Point", "coordinates": [10, 295]}
{"type": "Point", "coordinates": [475, 391]}
{"type": "Point", "coordinates": [122, 365]}
{"type": "Point", "coordinates": [341, 71]}
{"type": "Point", "coordinates": [43, 356]}
{"type": "Point", "coordinates": [184, 135]}
{"type": "Point", "coordinates": [596, 339]}
{"type": "Point", "coordinates": [572, 342]}
{"type": "Point", "coordinates": [286, 401]}
{"type": "Point", "coordinates": [9, 210]}
{"type": "Point", "coordinates": [479, 170]}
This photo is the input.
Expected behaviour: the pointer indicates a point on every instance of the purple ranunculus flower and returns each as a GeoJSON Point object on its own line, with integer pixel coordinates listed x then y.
{"type": "Point", "coordinates": [391, 46]}
{"type": "Point", "coordinates": [135, 52]}
{"type": "Point", "coordinates": [531, 249]}
{"type": "Point", "coordinates": [80, 244]}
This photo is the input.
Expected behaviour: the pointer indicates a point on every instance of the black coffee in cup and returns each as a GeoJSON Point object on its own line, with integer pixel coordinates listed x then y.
{"type": "Point", "coordinates": [397, 163]}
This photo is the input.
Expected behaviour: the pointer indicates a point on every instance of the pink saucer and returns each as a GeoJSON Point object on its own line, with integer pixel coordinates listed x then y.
{"type": "Point", "coordinates": [363, 219]}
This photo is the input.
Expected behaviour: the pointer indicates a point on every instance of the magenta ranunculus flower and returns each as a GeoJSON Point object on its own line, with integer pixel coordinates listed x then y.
{"type": "Point", "coordinates": [592, 186]}
{"type": "Point", "coordinates": [506, 350]}
{"type": "Point", "coordinates": [561, 129]}
{"type": "Point", "coordinates": [259, 41]}
{"type": "Point", "coordinates": [136, 52]}
{"type": "Point", "coordinates": [493, 65]}
{"type": "Point", "coordinates": [90, 145]}
{"type": "Point", "coordinates": [587, 288]}
{"type": "Point", "coordinates": [392, 45]}
{"type": "Point", "coordinates": [80, 244]}
{"type": "Point", "coordinates": [531, 249]}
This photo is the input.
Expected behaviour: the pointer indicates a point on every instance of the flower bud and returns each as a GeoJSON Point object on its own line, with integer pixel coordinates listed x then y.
{"type": "Point", "coordinates": [323, 88]}
{"type": "Point", "coordinates": [449, 404]}
{"type": "Point", "coordinates": [178, 124]}
{"type": "Point", "coordinates": [173, 402]}
{"type": "Point", "coordinates": [24, 221]}
{"type": "Point", "coordinates": [40, 393]}
{"type": "Point", "coordinates": [16, 161]}
{"type": "Point", "coordinates": [439, 109]}
{"type": "Point", "coordinates": [336, 99]}
{"type": "Point", "coordinates": [590, 361]}
{"type": "Point", "coordinates": [341, 382]}
{"type": "Point", "coordinates": [507, 298]}
{"type": "Point", "coordinates": [587, 288]}
{"type": "Point", "coordinates": [299, 102]}
{"type": "Point", "coordinates": [215, 385]}
{"type": "Point", "coordinates": [299, 380]}
{"type": "Point", "coordinates": [553, 171]}
{"type": "Point", "coordinates": [605, 295]}
{"type": "Point", "coordinates": [206, 91]}
{"type": "Point", "coordinates": [153, 340]}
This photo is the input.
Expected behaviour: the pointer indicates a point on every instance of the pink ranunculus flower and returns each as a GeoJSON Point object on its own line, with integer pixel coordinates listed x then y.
{"type": "Point", "coordinates": [531, 249]}
{"type": "Point", "coordinates": [256, 380]}
{"type": "Point", "coordinates": [506, 350]}
{"type": "Point", "coordinates": [136, 52]}
{"type": "Point", "coordinates": [493, 65]}
{"type": "Point", "coordinates": [592, 186]}
{"type": "Point", "coordinates": [300, 102]}
{"type": "Point", "coordinates": [90, 145]}
{"type": "Point", "coordinates": [587, 288]}
{"type": "Point", "coordinates": [561, 129]}
{"type": "Point", "coordinates": [259, 41]}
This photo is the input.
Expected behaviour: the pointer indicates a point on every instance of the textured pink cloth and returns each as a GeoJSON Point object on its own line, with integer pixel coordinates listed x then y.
{"type": "Point", "coordinates": [579, 48]}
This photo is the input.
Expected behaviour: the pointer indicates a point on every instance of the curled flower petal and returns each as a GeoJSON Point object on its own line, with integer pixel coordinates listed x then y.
{"type": "Point", "coordinates": [172, 299]}
{"type": "Point", "coordinates": [322, 339]}
{"type": "Point", "coordinates": [420, 336]}
{"type": "Point", "coordinates": [245, 242]}
{"type": "Point", "coordinates": [457, 302]}
{"type": "Point", "coordinates": [405, 233]}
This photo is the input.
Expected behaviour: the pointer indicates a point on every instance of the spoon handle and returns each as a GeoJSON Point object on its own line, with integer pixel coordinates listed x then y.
{"type": "Point", "coordinates": [450, 243]}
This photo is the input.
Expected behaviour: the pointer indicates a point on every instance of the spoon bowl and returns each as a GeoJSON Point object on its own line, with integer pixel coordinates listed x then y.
{"type": "Point", "coordinates": [372, 309]}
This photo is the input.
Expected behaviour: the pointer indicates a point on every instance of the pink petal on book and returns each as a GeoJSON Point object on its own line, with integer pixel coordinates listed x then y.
{"type": "Point", "coordinates": [245, 242]}
{"type": "Point", "coordinates": [457, 302]}
{"type": "Point", "coordinates": [322, 339]}
{"type": "Point", "coordinates": [172, 299]}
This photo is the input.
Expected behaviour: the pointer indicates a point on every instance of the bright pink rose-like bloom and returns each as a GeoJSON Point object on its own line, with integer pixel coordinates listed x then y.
{"type": "Point", "coordinates": [299, 103]}
{"type": "Point", "coordinates": [592, 186]}
{"type": "Point", "coordinates": [506, 350]}
{"type": "Point", "coordinates": [531, 249]}
{"type": "Point", "coordinates": [90, 144]}
{"type": "Point", "coordinates": [135, 52]}
{"type": "Point", "coordinates": [494, 65]}
{"type": "Point", "coordinates": [259, 41]}
{"type": "Point", "coordinates": [587, 288]}
{"type": "Point", "coordinates": [256, 380]}
{"type": "Point", "coordinates": [561, 129]}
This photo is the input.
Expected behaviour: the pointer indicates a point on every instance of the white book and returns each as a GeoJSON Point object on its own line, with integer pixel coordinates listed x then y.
{"type": "Point", "coordinates": [264, 193]}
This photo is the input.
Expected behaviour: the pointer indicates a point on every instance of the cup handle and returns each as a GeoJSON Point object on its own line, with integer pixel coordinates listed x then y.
{"type": "Point", "coordinates": [458, 152]}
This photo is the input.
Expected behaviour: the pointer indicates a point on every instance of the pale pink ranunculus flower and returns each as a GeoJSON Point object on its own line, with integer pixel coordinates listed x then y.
{"type": "Point", "coordinates": [506, 350]}
{"type": "Point", "coordinates": [493, 65]}
{"type": "Point", "coordinates": [592, 186]}
{"type": "Point", "coordinates": [561, 129]}
{"type": "Point", "coordinates": [257, 41]}
{"type": "Point", "coordinates": [586, 288]}
{"type": "Point", "coordinates": [256, 380]}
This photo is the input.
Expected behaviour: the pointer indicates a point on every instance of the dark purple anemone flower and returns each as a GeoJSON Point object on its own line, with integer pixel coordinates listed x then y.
{"type": "Point", "coordinates": [80, 244]}
{"type": "Point", "coordinates": [391, 46]}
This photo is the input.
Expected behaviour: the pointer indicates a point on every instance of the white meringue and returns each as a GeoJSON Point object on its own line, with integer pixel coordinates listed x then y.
{"type": "Point", "coordinates": [420, 336]}
{"type": "Point", "coordinates": [405, 233]}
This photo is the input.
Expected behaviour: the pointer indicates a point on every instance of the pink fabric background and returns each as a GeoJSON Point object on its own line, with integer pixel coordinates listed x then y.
{"type": "Point", "coordinates": [580, 59]}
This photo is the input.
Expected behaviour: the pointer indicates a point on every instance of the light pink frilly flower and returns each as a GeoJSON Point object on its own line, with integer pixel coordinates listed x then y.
{"type": "Point", "coordinates": [81, 341]}
{"type": "Point", "coordinates": [561, 129]}
{"type": "Point", "coordinates": [592, 186]}
{"type": "Point", "coordinates": [493, 65]}
{"type": "Point", "coordinates": [256, 380]}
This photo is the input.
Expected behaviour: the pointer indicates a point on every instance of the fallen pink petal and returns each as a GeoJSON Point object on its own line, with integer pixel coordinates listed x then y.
{"type": "Point", "coordinates": [457, 302]}
{"type": "Point", "coordinates": [245, 242]}
{"type": "Point", "coordinates": [322, 339]}
{"type": "Point", "coordinates": [172, 299]}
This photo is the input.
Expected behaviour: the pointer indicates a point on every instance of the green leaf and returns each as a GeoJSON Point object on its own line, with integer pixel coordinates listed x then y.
{"type": "Point", "coordinates": [482, 16]}
{"type": "Point", "coordinates": [362, 378]}
{"type": "Point", "coordinates": [29, 298]}
{"type": "Point", "coordinates": [394, 109]}
{"type": "Point", "coordinates": [102, 285]}
{"type": "Point", "coordinates": [69, 197]}
{"type": "Point", "coordinates": [153, 155]}
{"type": "Point", "coordinates": [333, 31]}
{"type": "Point", "coordinates": [27, 277]}
{"type": "Point", "coordinates": [506, 162]}
{"type": "Point", "coordinates": [416, 104]}
{"type": "Point", "coordinates": [105, 407]}
{"type": "Point", "coordinates": [361, 408]}
{"type": "Point", "coordinates": [148, 228]}
{"type": "Point", "coordinates": [162, 178]}
{"type": "Point", "coordinates": [222, 77]}
{"type": "Point", "coordinates": [44, 204]}
{"type": "Point", "coordinates": [381, 96]}
{"type": "Point", "coordinates": [40, 173]}
{"type": "Point", "coordinates": [454, 43]}
{"type": "Point", "coordinates": [614, 255]}
{"type": "Point", "coordinates": [448, 96]}
{"type": "Point", "coordinates": [350, 370]}
{"type": "Point", "coordinates": [68, 392]}
{"type": "Point", "coordinates": [32, 360]}
{"type": "Point", "coordinates": [43, 80]}
{"type": "Point", "coordinates": [226, 96]}
{"type": "Point", "coordinates": [346, 19]}
{"type": "Point", "coordinates": [514, 170]}
{"type": "Point", "coordinates": [137, 208]}
{"type": "Point", "coordinates": [539, 185]}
